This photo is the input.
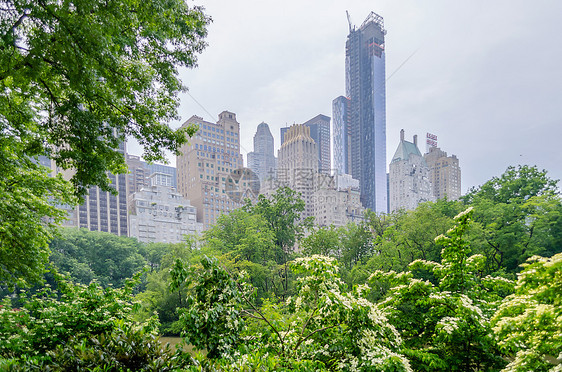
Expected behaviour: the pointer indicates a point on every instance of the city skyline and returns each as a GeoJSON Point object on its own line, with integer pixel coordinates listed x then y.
{"type": "Point", "coordinates": [483, 77]}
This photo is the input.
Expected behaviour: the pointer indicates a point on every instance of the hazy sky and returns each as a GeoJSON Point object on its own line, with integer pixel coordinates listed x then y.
{"type": "Point", "coordinates": [484, 76]}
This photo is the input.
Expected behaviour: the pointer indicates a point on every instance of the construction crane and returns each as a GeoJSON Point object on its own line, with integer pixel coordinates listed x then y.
{"type": "Point", "coordinates": [349, 21]}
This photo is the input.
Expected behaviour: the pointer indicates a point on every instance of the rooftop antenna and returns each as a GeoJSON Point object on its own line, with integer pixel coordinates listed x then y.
{"type": "Point", "coordinates": [348, 20]}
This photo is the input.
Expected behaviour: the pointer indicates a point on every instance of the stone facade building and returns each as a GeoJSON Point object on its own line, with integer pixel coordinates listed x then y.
{"type": "Point", "coordinates": [140, 171]}
{"type": "Point", "coordinates": [298, 164]}
{"type": "Point", "coordinates": [207, 164]}
{"type": "Point", "coordinates": [408, 177]}
{"type": "Point", "coordinates": [444, 174]}
{"type": "Point", "coordinates": [161, 214]}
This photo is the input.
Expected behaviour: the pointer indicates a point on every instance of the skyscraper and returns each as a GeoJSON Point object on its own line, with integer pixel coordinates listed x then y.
{"type": "Point", "coordinates": [298, 164]}
{"type": "Point", "coordinates": [320, 133]}
{"type": "Point", "coordinates": [342, 135]}
{"type": "Point", "coordinates": [366, 90]}
{"type": "Point", "coordinates": [205, 166]}
{"type": "Point", "coordinates": [262, 160]}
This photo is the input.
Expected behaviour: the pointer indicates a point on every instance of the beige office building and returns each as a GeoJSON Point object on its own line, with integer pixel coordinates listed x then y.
{"type": "Point", "coordinates": [297, 164]}
{"type": "Point", "coordinates": [206, 167]}
{"type": "Point", "coordinates": [444, 174]}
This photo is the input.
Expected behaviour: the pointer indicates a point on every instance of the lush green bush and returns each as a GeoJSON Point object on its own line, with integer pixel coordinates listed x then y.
{"type": "Point", "coordinates": [79, 327]}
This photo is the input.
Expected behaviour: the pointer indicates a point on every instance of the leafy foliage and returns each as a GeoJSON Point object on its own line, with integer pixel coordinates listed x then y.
{"type": "Point", "coordinates": [45, 321]}
{"type": "Point", "coordinates": [77, 78]}
{"type": "Point", "coordinates": [321, 324]}
{"type": "Point", "coordinates": [519, 215]}
{"type": "Point", "coordinates": [211, 321]}
{"type": "Point", "coordinates": [528, 323]}
{"type": "Point", "coordinates": [28, 215]}
{"type": "Point", "coordinates": [88, 255]}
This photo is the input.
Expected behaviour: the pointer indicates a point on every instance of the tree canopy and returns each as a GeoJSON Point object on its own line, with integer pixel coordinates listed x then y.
{"type": "Point", "coordinates": [76, 79]}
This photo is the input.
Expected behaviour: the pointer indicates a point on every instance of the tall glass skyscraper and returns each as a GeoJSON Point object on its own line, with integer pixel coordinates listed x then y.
{"type": "Point", "coordinates": [366, 115]}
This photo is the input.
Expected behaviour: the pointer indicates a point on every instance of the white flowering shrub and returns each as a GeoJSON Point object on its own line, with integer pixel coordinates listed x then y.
{"type": "Point", "coordinates": [320, 328]}
{"type": "Point", "coordinates": [211, 320]}
{"type": "Point", "coordinates": [444, 322]}
{"type": "Point", "coordinates": [341, 329]}
{"type": "Point", "coordinates": [528, 323]}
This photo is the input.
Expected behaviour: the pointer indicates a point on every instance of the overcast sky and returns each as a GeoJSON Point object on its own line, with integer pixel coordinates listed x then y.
{"type": "Point", "coordinates": [484, 76]}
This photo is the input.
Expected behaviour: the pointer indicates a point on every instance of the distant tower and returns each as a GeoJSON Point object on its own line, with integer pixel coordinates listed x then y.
{"type": "Point", "coordinates": [341, 135]}
{"type": "Point", "coordinates": [366, 91]}
{"type": "Point", "coordinates": [262, 160]}
{"type": "Point", "coordinates": [298, 164]}
{"type": "Point", "coordinates": [408, 177]}
{"type": "Point", "coordinates": [320, 133]}
{"type": "Point", "coordinates": [444, 174]}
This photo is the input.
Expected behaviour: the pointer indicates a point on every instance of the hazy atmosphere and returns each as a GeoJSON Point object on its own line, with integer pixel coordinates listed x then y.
{"type": "Point", "coordinates": [484, 77]}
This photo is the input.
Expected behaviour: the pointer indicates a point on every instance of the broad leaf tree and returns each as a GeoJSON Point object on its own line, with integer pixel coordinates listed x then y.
{"type": "Point", "coordinates": [518, 215]}
{"type": "Point", "coordinates": [76, 79]}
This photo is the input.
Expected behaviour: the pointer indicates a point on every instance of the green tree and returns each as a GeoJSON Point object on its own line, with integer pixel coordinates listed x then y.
{"type": "Point", "coordinates": [518, 215]}
{"type": "Point", "coordinates": [282, 212]}
{"type": "Point", "coordinates": [88, 255]}
{"type": "Point", "coordinates": [406, 236]}
{"type": "Point", "coordinates": [322, 240]}
{"type": "Point", "coordinates": [212, 319]}
{"type": "Point", "coordinates": [248, 243]}
{"type": "Point", "coordinates": [158, 296]}
{"type": "Point", "coordinates": [77, 78]}
{"type": "Point", "coordinates": [28, 215]}
{"type": "Point", "coordinates": [322, 326]}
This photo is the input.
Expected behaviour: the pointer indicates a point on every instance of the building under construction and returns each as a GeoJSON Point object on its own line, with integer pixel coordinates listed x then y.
{"type": "Point", "coordinates": [364, 122]}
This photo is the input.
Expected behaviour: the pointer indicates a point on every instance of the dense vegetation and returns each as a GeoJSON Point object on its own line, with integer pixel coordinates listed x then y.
{"type": "Point", "coordinates": [453, 285]}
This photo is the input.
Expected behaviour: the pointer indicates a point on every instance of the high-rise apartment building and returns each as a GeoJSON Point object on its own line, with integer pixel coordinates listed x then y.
{"type": "Point", "coordinates": [444, 174]}
{"type": "Point", "coordinates": [158, 213]}
{"type": "Point", "coordinates": [341, 135]}
{"type": "Point", "coordinates": [408, 177]}
{"type": "Point", "coordinates": [366, 91]}
{"type": "Point", "coordinates": [262, 160]}
{"type": "Point", "coordinates": [298, 164]}
{"type": "Point", "coordinates": [101, 210]}
{"type": "Point", "coordinates": [320, 132]}
{"type": "Point", "coordinates": [140, 172]}
{"type": "Point", "coordinates": [205, 166]}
